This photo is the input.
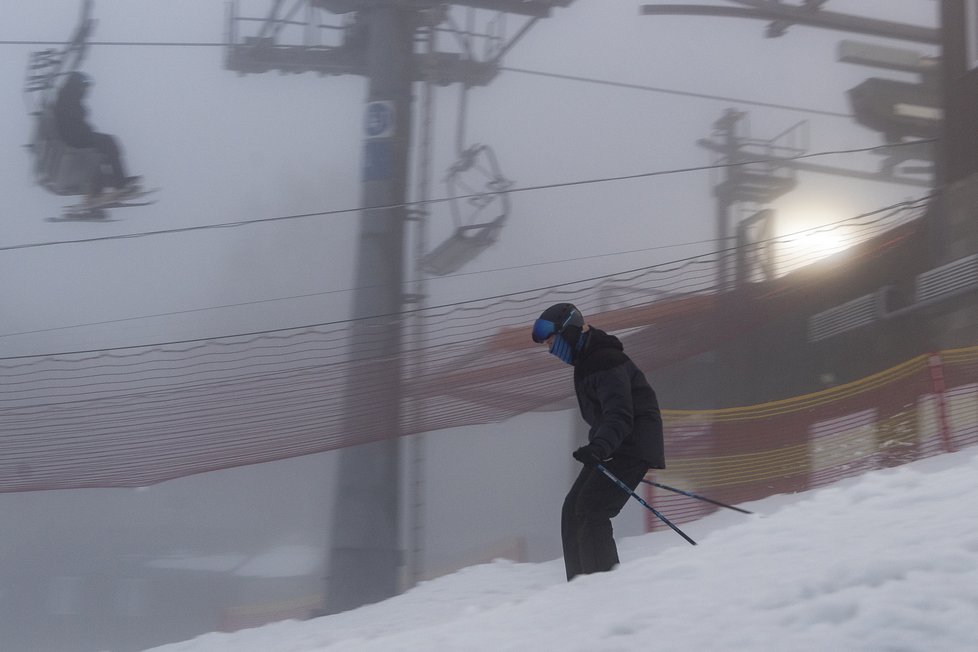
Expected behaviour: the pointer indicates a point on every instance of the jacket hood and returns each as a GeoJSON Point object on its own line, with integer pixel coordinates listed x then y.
{"type": "Point", "coordinates": [598, 339]}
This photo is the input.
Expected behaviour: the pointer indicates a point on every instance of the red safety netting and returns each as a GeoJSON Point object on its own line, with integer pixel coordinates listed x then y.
{"type": "Point", "coordinates": [140, 415]}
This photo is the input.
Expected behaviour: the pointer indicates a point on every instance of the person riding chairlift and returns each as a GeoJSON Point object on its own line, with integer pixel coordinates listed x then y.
{"type": "Point", "coordinates": [74, 130]}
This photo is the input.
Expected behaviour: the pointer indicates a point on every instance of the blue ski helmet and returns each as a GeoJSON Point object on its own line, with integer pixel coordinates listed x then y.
{"type": "Point", "coordinates": [565, 322]}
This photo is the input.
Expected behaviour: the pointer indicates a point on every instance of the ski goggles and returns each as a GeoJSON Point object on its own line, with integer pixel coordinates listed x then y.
{"type": "Point", "coordinates": [542, 329]}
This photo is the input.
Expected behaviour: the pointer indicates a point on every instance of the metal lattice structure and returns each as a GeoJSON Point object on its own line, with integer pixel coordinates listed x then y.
{"type": "Point", "coordinates": [328, 37]}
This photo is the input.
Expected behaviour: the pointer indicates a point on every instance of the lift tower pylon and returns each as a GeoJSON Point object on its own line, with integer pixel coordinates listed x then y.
{"type": "Point", "coordinates": [377, 40]}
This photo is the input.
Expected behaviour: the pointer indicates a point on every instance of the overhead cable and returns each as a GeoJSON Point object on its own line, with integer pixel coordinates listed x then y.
{"type": "Point", "coordinates": [681, 93]}
{"type": "Point", "coordinates": [516, 297]}
{"type": "Point", "coordinates": [441, 200]}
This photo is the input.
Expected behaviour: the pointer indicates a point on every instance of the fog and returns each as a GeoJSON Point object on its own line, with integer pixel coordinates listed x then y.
{"type": "Point", "coordinates": [225, 148]}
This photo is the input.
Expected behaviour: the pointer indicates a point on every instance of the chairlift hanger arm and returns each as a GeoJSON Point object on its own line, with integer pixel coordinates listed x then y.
{"type": "Point", "coordinates": [77, 47]}
{"type": "Point", "coordinates": [86, 25]}
{"type": "Point", "coordinates": [785, 15]}
{"type": "Point", "coordinates": [46, 66]}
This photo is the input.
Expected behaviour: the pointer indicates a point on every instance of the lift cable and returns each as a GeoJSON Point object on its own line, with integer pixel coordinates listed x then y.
{"type": "Point", "coordinates": [411, 204]}
{"type": "Point", "coordinates": [498, 299]}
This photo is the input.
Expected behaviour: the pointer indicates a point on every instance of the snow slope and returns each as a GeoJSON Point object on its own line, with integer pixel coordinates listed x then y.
{"type": "Point", "coordinates": [888, 561]}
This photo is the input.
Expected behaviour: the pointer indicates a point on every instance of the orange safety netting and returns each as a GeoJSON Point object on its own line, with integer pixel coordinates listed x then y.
{"type": "Point", "coordinates": [135, 416]}
{"type": "Point", "coordinates": [925, 406]}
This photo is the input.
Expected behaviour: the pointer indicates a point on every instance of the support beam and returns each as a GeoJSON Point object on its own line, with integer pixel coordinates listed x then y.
{"type": "Point", "coordinates": [783, 15]}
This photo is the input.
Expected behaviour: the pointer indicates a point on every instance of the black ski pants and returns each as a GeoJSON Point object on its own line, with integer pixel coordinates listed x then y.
{"type": "Point", "coordinates": [111, 172]}
{"type": "Point", "coordinates": [585, 521]}
{"type": "Point", "coordinates": [109, 148]}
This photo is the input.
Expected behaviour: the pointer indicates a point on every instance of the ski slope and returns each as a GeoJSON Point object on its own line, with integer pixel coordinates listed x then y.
{"type": "Point", "coordinates": [887, 561]}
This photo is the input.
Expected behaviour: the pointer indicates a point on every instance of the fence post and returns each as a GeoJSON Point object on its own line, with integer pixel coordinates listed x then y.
{"type": "Point", "coordinates": [936, 364]}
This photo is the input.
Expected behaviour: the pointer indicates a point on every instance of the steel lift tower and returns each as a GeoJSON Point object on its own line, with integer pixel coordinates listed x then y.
{"type": "Point", "coordinates": [383, 41]}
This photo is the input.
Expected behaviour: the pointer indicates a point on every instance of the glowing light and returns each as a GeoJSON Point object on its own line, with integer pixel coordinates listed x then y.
{"type": "Point", "coordinates": [821, 243]}
{"type": "Point", "coordinates": [809, 236]}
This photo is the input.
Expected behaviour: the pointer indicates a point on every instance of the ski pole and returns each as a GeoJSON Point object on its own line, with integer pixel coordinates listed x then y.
{"type": "Point", "coordinates": [624, 487]}
{"type": "Point", "coordinates": [697, 497]}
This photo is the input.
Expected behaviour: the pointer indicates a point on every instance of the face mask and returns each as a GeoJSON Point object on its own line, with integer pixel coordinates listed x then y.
{"type": "Point", "coordinates": [560, 348]}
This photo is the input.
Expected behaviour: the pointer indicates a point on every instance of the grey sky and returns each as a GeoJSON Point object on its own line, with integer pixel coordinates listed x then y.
{"type": "Point", "coordinates": [226, 148]}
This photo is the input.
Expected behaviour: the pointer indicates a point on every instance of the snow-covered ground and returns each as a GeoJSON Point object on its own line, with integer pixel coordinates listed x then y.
{"type": "Point", "coordinates": [887, 561]}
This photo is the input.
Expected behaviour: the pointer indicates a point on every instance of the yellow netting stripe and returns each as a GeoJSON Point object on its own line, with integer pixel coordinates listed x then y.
{"type": "Point", "coordinates": [964, 355]}
{"type": "Point", "coordinates": [851, 442]}
{"type": "Point", "coordinates": [742, 469]}
{"type": "Point", "coordinates": [844, 447]}
{"type": "Point", "coordinates": [806, 401]}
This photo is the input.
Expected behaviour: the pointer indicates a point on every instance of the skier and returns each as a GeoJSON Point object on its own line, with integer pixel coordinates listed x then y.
{"type": "Point", "coordinates": [74, 130]}
{"type": "Point", "coordinates": [622, 410]}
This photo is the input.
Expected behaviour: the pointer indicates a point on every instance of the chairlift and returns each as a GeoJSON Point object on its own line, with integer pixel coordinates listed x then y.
{"type": "Point", "coordinates": [469, 207]}
{"type": "Point", "coordinates": [57, 167]}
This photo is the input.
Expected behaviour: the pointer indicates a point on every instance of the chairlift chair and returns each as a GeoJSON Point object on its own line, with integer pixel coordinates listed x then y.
{"type": "Point", "coordinates": [469, 240]}
{"type": "Point", "coordinates": [57, 167]}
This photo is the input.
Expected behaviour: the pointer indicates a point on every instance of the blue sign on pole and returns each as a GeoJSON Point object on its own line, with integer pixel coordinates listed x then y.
{"type": "Point", "coordinates": [380, 119]}
{"type": "Point", "coordinates": [377, 164]}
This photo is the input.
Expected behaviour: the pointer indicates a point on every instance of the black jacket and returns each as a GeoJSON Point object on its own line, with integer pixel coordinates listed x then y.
{"type": "Point", "coordinates": [617, 401]}
{"type": "Point", "coordinates": [70, 113]}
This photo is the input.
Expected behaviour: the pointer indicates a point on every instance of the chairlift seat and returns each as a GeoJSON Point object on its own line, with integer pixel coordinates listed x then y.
{"type": "Point", "coordinates": [61, 168]}
{"type": "Point", "coordinates": [462, 247]}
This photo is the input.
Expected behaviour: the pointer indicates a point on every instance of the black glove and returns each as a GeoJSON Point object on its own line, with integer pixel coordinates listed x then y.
{"type": "Point", "coordinates": [593, 453]}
